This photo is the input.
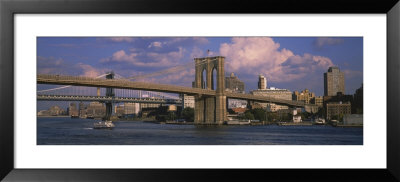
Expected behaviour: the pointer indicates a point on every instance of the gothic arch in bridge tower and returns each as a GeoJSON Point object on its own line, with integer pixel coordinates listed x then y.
{"type": "Point", "coordinates": [210, 109]}
{"type": "Point", "coordinates": [204, 79]}
{"type": "Point", "coordinates": [213, 78]}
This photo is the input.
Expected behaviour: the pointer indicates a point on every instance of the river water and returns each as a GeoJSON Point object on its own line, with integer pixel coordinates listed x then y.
{"type": "Point", "coordinates": [67, 131]}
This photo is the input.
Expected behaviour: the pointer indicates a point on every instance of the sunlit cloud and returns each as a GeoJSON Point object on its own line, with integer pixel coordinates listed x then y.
{"type": "Point", "coordinates": [261, 55]}
{"type": "Point", "coordinates": [145, 59]}
{"type": "Point", "coordinates": [118, 39]}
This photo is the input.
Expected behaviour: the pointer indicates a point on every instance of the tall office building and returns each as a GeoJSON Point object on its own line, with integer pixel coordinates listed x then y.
{"type": "Point", "coordinates": [262, 82]}
{"type": "Point", "coordinates": [233, 84]}
{"type": "Point", "coordinates": [333, 82]}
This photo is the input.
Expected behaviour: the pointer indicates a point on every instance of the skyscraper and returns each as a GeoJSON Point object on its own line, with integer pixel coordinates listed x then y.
{"type": "Point", "coordinates": [262, 82]}
{"type": "Point", "coordinates": [233, 84]}
{"type": "Point", "coordinates": [333, 82]}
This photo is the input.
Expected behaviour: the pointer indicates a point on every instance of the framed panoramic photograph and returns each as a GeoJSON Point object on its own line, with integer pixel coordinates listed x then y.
{"type": "Point", "coordinates": [125, 91]}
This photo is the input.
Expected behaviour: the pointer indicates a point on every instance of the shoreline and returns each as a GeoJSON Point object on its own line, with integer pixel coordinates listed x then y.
{"type": "Point", "coordinates": [53, 116]}
{"type": "Point", "coordinates": [282, 124]}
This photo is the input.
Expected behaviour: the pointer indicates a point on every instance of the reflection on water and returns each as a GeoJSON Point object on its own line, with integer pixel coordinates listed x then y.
{"type": "Point", "coordinates": [66, 131]}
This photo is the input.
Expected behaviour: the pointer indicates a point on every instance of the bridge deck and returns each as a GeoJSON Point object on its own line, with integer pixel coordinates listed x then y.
{"type": "Point", "coordinates": [121, 84]}
{"type": "Point", "coordinates": [106, 98]}
{"type": "Point", "coordinates": [126, 84]}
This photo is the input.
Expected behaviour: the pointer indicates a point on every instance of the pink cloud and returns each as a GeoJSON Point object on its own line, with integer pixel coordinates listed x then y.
{"type": "Point", "coordinates": [89, 71]}
{"type": "Point", "coordinates": [155, 45]}
{"type": "Point", "coordinates": [121, 39]}
{"type": "Point", "coordinates": [261, 55]}
{"type": "Point", "coordinates": [163, 59]}
{"type": "Point", "coordinates": [149, 59]}
{"type": "Point", "coordinates": [51, 65]}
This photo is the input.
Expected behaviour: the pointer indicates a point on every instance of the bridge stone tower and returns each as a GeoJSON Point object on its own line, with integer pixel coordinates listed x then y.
{"type": "Point", "coordinates": [210, 109]}
{"type": "Point", "coordinates": [109, 93]}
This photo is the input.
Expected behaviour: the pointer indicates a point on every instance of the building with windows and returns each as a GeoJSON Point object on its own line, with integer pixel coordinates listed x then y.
{"type": "Point", "coordinates": [262, 82]}
{"type": "Point", "coordinates": [127, 110]}
{"type": "Point", "coordinates": [271, 107]}
{"type": "Point", "coordinates": [82, 110]}
{"type": "Point", "coordinates": [148, 105]}
{"type": "Point", "coordinates": [304, 95]}
{"type": "Point", "coordinates": [95, 110]}
{"type": "Point", "coordinates": [52, 111]}
{"type": "Point", "coordinates": [338, 98]}
{"type": "Point", "coordinates": [273, 92]}
{"type": "Point", "coordinates": [336, 110]}
{"type": "Point", "coordinates": [188, 101]}
{"type": "Point", "coordinates": [237, 103]}
{"type": "Point", "coordinates": [119, 110]}
{"type": "Point", "coordinates": [333, 82]}
{"type": "Point", "coordinates": [233, 84]}
{"type": "Point", "coordinates": [131, 108]}
{"type": "Point", "coordinates": [318, 100]}
{"type": "Point", "coordinates": [73, 110]}
{"type": "Point", "coordinates": [296, 116]}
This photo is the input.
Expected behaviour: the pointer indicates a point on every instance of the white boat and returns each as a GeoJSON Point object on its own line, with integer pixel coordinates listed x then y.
{"type": "Point", "coordinates": [320, 121]}
{"type": "Point", "coordinates": [103, 125]}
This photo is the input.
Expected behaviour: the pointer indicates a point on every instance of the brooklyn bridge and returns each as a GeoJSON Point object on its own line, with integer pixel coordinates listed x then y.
{"type": "Point", "coordinates": [209, 93]}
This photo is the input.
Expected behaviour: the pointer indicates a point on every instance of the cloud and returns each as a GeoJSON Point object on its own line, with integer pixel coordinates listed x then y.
{"type": "Point", "coordinates": [119, 39]}
{"type": "Point", "coordinates": [155, 45]}
{"type": "Point", "coordinates": [181, 78]}
{"type": "Point", "coordinates": [167, 59]}
{"type": "Point", "coordinates": [324, 41]}
{"type": "Point", "coordinates": [122, 56]}
{"type": "Point", "coordinates": [196, 53]}
{"type": "Point", "coordinates": [145, 59]}
{"type": "Point", "coordinates": [51, 65]}
{"type": "Point", "coordinates": [261, 55]}
{"type": "Point", "coordinates": [89, 71]}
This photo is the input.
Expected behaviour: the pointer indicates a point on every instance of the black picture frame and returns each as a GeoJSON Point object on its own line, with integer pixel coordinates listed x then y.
{"type": "Point", "coordinates": [8, 8]}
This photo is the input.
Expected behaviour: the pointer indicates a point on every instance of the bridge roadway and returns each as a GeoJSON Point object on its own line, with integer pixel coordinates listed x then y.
{"type": "Point", "coordinates": [126, 84]}
{"type": "Point", "coordinates": [106, 98]}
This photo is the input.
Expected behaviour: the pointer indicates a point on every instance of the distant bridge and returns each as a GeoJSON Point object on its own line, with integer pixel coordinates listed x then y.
{"type": "Point", "coordinates": [107, 99]}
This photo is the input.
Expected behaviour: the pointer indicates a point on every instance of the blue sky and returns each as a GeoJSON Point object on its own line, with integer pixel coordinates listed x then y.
{"type": "Point", "coordinates": [293, 63]}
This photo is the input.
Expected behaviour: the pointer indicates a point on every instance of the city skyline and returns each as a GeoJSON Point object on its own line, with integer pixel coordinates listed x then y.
{"type": "Point", "coordinates": [293, 63]}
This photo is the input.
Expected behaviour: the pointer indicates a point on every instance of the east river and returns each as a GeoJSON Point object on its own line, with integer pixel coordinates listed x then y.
{"type": "Point", "coordinates": [67, 131]}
